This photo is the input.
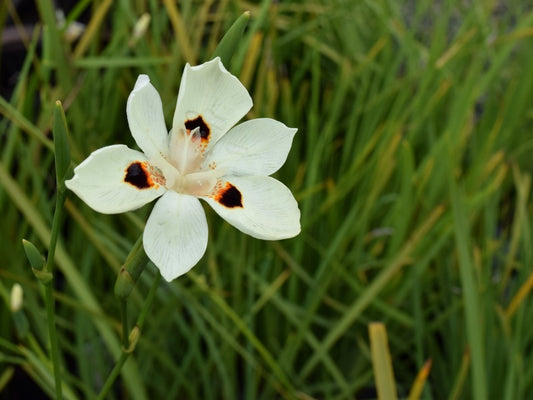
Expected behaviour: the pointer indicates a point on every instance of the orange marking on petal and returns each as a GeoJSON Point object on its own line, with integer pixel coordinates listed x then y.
{"type": "Point", "coordinates": [228, 195]}
{"type": "Point", "coordinates": [141, 176]}
{"type": "Point", "coordinates": [205, 130]}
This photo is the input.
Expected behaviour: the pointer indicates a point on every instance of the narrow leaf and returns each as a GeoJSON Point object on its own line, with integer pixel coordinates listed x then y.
{"type": "Point", "coordinates": [381, 362]}
{"type": "Point", "coordinates": [62, 151]}
{"type": "Point", "coordinates": [231, 40]}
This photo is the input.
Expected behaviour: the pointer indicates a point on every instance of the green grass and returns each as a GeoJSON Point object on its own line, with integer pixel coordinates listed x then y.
{"type": "Point", "coordinates": [412, 168]}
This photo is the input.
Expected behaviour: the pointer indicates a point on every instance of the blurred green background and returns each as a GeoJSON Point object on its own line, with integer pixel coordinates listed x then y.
{"type": "Point", "coordinates": [412, 168]}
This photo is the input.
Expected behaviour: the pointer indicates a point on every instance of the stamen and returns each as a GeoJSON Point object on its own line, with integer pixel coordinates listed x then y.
{"type": "Point", "coordinates": [196, 184]}
{"type": "Point", "coordinates": [185, 172]}
{"type": "Point", "coordinates": [185, 150]}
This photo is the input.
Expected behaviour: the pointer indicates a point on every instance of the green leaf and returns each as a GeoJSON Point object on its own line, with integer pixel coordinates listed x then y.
{"type": "Point", "coordinates": [231, 40]}
{"type": "Point", "coordinates": [35, 258]}
{"type": "Point", "coordinates": [62, 151]}
{"type": "Point", "coordinates": [381, 361]}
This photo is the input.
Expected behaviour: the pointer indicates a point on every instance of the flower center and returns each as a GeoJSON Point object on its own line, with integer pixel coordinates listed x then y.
{"type": "Point", "coordinates": [184, 171]}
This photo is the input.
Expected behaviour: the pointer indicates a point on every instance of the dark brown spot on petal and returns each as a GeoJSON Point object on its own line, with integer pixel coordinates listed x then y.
{"type": "Point", "coordinates": [198, 122]}
{"type": "Point", "coordinates": [229, 196]}
{"type": "Point", "coordinates": [138, 176]}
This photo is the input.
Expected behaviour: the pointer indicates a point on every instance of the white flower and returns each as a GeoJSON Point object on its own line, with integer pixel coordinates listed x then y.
{"type": "Point", "coordinates": [202, 157]}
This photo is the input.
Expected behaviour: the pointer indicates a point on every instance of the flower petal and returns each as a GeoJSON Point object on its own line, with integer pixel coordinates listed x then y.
{"type": "Point", "coordinates": [211, 99]}
{"type": "Point", "coordinates": [115, 179]}
{"type": "Point", "coordinates": [256, 147]}
{"type": "Point", "coordinates": [146, 120]}
{"type": "Point", "coordinates": [175, 236]}
{"type": "Point", "coordinates": [260, 206]}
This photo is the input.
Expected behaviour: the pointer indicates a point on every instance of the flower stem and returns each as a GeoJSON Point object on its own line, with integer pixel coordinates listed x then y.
{"type": "Point", "coordinates": [126, 280]}
{"type": "Point", "coordinates": [149, 299]}
{"type": "Point", "coordinates": [124, 318]}
{"type": "Point", "coordinates": [132, 339]}
{"type": "Point", "coordinates": [58, 216]}
{"type": "Point", "coordinates": [113, 375]}
{"type": "Point", "coordinates": [54, 348]}
{"type": "Point", "coordinates": [49, 294]}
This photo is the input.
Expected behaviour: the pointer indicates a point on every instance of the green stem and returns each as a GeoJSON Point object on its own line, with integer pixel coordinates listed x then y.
{"type": "Point", "coordinates": [54, 347]}
{"type": "Point", "coordinates": [54, 234]}
{"type": "Point", "coordinates": [126, 351]}
{"type": "Point", "coordinates": [124, 317]}
{"type": "Point", "coordinates": [49, 294]}
{"type": "Point", "coordinates": [149, 299]}
{"type": "Point", "coordinates": [113, 375]}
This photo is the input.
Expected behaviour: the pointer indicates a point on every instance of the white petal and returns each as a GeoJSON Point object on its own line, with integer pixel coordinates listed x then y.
{"type": "Point", "coordinates": [260, 206]}
{"type": "Point", "coordinates": [256, 147]}
{"type": "Point", "coordinates": [101, 180]}
{"type": "Point", "coordinates": [146, 120]}
{"type": "Point", "coordinates": [209, 91]}
{"type": "Point", "coordinates": [175, 236]}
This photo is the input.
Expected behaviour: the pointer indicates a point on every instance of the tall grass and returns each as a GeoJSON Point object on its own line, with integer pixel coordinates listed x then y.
{"type": "Point", "coordinates": [412, 168]}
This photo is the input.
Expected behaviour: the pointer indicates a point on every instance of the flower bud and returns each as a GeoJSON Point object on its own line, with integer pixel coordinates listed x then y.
{"type": "Point", "coordinates": [16, 298]}
{"type": "Point", "coordinates": [16, 305]}
{"type": "Point", "coordinates": [140, 28]}
{"type": "Point", "coordinates": [130, 271]}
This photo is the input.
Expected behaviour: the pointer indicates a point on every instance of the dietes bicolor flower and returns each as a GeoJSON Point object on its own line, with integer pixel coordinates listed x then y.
{"type": "Point", "coordinates": [204, 156]}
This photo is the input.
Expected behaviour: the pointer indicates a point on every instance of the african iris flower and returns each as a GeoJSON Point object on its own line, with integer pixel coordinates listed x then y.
{"type": "Point", "coordinates": [204, 156]}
